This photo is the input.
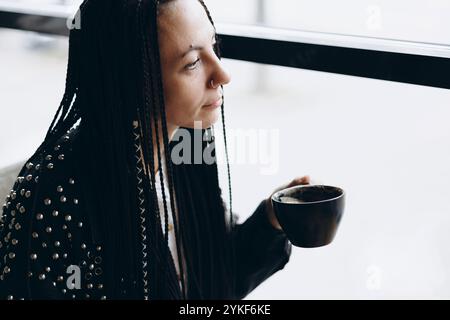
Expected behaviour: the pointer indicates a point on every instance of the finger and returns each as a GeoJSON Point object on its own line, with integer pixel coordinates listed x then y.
{"type": "Point", "coordinates": [299, 181]}
{"type": "Point", "coordinates": [302, 180]}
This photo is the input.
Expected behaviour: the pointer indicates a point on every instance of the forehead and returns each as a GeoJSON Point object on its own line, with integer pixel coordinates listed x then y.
{"type": "Point", "coordinates": [182, 23]}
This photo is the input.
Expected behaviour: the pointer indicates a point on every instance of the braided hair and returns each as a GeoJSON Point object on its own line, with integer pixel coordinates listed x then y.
{"type": "Point", "coordinates": [114, 81]}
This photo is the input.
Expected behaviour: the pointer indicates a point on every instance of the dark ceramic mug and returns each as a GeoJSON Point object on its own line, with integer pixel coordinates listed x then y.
{"type": "Point", "coordinates": [309, 214]}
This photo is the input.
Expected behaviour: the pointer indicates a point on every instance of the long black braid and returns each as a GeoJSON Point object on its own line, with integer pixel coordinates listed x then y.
{"type": "Point", "coordinates": [154, 59]}
{"type": "Point", "coordinates": [59, 124]}
{"type": "Point", "coordinates": [217, 50]}
{"type": "Point", "coordinates": [231, 222]}
{"type": "Point", "coordinates": [172, 189]}
{"type": "Point", "coordinates": [167, 156]}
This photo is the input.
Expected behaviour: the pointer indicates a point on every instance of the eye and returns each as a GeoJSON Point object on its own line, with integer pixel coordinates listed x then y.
{"type": "Point", "coordinates": [192, 66]}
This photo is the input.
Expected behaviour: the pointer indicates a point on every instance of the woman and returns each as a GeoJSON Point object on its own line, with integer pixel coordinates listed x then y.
{"type": "Point", "coordinates": [101, 211]}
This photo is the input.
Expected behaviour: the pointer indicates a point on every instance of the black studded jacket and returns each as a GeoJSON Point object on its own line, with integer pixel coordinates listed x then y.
{"type": "Point", "coordinates": [45, 247]}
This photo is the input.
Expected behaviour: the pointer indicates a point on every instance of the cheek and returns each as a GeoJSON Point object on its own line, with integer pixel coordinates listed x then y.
{"type": "Point", "coordinates": [184, 98]}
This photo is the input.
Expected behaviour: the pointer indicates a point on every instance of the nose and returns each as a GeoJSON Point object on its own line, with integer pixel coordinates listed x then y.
{"type": "Point", "coordinates": [220, 75]}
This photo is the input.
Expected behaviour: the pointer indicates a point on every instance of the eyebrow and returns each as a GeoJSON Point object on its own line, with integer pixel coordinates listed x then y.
{"type": "Point", "coordinates": [196, 48]}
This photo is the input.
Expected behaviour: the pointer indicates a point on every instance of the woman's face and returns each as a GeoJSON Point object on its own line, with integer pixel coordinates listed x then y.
{"type": "Point", "coordinates": [189, 63]}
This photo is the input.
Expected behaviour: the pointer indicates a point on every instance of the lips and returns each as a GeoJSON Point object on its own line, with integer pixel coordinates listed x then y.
{"type": "Point", "coordinates": [215, 103]}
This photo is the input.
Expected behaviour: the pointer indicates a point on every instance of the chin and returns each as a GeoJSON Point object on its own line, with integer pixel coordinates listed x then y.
{"type": "Point", "coordinates": [212, 119]}
{"type": "Point", "coordinates": [207, 120]}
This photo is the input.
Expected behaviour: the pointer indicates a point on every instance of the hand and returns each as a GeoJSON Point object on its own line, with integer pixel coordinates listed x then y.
{"type": "Point", "coordinates": [270, 212]}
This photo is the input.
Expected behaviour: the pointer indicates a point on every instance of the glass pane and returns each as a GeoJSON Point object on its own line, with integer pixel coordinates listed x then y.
{"type": "Point", "coordinates": [416, 20]}
{"type": "Point", "coordinates": [387, 144]}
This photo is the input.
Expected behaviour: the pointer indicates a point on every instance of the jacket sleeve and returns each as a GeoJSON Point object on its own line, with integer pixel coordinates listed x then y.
{"type": "Point", "coordinates": [261, 250]}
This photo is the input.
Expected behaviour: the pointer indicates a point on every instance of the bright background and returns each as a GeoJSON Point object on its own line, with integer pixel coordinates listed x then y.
{"type": "Point", "coordinates": [387, 144]}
